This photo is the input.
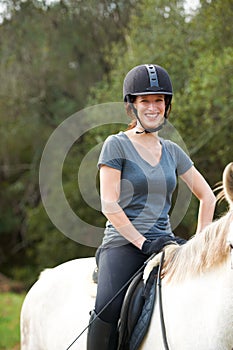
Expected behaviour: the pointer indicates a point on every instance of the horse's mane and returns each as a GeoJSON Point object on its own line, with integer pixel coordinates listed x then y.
{"type": "Point", "coordinates": [204, 250]}
{"type": "Point", "coordinates": [208, 248]}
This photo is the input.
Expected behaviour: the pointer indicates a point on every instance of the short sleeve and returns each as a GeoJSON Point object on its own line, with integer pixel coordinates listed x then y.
{"type": "Point", "coordinates": [112, 153]}
{"type": "Point", "coordinates": [180, 157]}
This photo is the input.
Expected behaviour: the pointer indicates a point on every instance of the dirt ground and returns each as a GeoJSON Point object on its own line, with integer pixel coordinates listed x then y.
{"type": "Point", "coordinates": [8, 285]}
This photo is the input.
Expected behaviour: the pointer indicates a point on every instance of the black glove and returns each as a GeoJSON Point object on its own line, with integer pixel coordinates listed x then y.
{"type": "Point", "coordinates": [180, 240]}
{"type": "Point", "coordinates": [151, 247]}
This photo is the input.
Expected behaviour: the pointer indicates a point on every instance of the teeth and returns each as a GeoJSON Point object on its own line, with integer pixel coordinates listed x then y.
{"type": "Point", "coordinates": [152, 115]}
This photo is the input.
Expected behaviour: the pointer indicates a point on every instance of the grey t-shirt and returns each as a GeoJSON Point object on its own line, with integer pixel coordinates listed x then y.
{"type": "Point", "coordinates": [146, 190]}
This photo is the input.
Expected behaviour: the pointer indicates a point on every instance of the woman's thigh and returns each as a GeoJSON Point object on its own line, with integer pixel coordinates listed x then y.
{"type": "Point", "coordinates": [116, 266]}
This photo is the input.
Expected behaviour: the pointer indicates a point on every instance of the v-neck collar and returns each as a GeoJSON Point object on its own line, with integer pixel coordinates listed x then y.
{"type": "Point", "coordinates": [139, 155]}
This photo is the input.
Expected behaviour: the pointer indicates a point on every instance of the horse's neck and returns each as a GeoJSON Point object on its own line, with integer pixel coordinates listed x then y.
{"type": "Point", "coordinates": [198, 307]}
{"type": "Point", "coordinates": [210, 281]}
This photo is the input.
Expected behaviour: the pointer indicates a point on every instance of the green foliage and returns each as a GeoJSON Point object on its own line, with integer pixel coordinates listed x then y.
{"type": "Point", "coordinates": [56, 60]}
{"type": "Point", "coordinates": [50, 57]}
{"type": "Point", "coordinates": [155, 34]}
{"type": "Point", "coordinates": [198, 56]}
{"type": "Point", "coordinates": [10, 306]}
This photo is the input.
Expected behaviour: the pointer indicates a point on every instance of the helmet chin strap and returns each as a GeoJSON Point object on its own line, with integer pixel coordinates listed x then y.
{"type": "Point", "coordinates": [147, 131]}
{"type": "Point", "coordinates": [150, 130]}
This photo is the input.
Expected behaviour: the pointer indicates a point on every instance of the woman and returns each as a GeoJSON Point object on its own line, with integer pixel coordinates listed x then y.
{"type": "Point", "coordinates": [138, 172]}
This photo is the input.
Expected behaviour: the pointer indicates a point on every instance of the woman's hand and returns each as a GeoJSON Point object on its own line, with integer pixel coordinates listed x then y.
{"type": "Point", "coordinates": [155, 246]}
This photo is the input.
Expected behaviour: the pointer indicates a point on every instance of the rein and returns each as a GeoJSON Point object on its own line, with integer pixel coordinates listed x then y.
{"type": "Point", "coordinates": [120, 290]}
{"type": "Point", "coordinates": [231, 252]}
{"type": "Point", "coordinates": [160, 301]}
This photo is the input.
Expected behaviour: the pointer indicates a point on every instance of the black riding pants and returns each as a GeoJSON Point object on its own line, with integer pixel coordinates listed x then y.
{"type": "Point", "coordinates": [116, 266]}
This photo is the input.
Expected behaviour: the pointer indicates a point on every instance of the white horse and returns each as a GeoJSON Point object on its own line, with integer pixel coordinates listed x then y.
{"type": "Point", "coordinates": [197, 295]}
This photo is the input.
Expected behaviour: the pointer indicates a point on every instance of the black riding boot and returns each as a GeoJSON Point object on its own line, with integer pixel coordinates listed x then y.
{"type": "Point", "coordinates": [101, 335]}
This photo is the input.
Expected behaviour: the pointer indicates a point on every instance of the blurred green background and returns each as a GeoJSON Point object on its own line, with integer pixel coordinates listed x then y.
{"type": "Point", "coordinates": [58, 58]}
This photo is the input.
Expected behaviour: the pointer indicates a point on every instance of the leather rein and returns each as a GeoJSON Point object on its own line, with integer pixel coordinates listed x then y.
{"type": "Point", "coordinates": [160, 301]}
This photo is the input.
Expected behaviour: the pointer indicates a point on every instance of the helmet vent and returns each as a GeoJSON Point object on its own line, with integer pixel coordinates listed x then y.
{"type": "Point", "coordinates": [147, 79]}
{"type": "Point", "coordinates": [152, 75]}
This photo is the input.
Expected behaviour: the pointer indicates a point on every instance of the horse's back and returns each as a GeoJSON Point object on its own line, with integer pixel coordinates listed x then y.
{"type": "Point", "coordinates": [62, 297]}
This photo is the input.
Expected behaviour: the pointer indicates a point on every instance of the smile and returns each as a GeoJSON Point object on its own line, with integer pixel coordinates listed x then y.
{"type": "Point", "coordinates": [152, 116]}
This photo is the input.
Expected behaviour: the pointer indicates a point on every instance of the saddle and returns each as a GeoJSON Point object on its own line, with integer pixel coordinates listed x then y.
{"type": "Point", "coordinates": [136, 311]}
{"type": "Point", "coordinates": [137, 307]}
{"type": "Point", "coordinates": [139, 301]}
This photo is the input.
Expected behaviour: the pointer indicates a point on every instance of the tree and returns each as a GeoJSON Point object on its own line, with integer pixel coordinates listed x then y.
{"type": "Point", "coordinates": [201, 70]}
{"type": "Point", "coordinates": [50, 57]}
{"type": "Point", "coordinates": [56, 60]}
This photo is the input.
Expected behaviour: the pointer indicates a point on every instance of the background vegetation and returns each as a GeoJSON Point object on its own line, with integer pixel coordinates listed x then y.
{"type": "Point", "coordinates": [10, 305]}
{"type": "Point", "coordinates": [58, 59]}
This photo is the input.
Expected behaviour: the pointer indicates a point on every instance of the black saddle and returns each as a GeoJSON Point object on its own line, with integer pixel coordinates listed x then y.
{"type": "Point", "coordinates": [136, 311]}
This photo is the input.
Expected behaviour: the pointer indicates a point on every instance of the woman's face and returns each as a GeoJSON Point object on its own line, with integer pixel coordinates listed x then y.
{"type": "Point", "coordinates": [151, 109]}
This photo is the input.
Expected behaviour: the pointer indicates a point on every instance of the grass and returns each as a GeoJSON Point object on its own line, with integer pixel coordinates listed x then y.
{"type": "Point", "coordinates": [10, 305]}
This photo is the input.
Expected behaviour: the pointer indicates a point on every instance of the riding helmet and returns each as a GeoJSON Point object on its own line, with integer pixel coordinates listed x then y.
{"type": "Point", "coordinates": [147, 79]}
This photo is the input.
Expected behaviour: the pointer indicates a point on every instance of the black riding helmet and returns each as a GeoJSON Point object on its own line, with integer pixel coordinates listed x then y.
{"type": "Point", "coordinates": [147, 79]}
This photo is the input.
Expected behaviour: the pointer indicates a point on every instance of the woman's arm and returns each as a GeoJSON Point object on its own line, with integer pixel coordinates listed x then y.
{"type": "Point", "coordinates": [110, 179]}
{"type": "Point", "coordinates": [200, 188]}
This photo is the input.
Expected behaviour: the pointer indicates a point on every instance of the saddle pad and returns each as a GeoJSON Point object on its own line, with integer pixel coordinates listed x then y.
{"type": "Point", "coordinates": [136, 311]}
{"type": "Point", "coordinates": [130, 311]}
{"type": "Point", "coordinates": [144, 320]}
